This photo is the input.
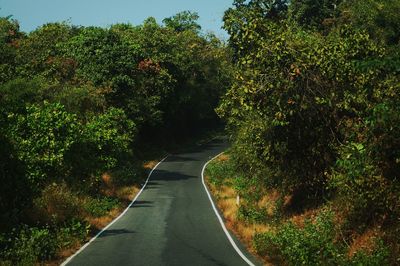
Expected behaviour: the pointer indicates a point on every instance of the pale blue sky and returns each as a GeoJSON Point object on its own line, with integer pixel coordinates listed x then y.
{"type": "Point", "coordinates": [33, 13]}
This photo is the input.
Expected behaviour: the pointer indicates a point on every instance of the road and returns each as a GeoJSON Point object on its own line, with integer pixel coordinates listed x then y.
{"type": "Point", "coordinates": [171, 223]}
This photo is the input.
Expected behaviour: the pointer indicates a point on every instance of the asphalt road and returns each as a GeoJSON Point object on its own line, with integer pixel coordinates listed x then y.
{"type": "Point", "coordinates": [171, 223]}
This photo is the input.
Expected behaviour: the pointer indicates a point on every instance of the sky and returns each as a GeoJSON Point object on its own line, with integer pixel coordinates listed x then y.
{"type": "Point", "coordinates": [34, 13]}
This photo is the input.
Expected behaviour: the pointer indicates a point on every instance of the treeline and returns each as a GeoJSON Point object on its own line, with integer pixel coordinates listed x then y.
{"type": "Point", "coordinates": [314, 115]}
{"type": "Point", "coordinates": [77, 104]}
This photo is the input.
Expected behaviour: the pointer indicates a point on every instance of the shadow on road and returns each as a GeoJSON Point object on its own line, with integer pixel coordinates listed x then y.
{"type": "Point", "coordinates": [114, 232]}
{"type": "Point", "coordinates": [142, 204]}
{"type": "Point", "coordinates": [163, 175]}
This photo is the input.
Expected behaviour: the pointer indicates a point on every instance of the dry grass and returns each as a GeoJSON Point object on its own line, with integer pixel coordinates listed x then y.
{"type": "Point", "coordinates": [58, 194]}
{"type": "Point", "coordinates": [268, 201]}
{"type": "Point", "coordinates": [222, 158]}
{"type": "Point", "coordinates": [101, 222]}
{"type": "Point", "coordinates": [150, 165]}
{"type": "Point", "coordinates": [107, 179]}
{"type": "Point", "coordinates": [299, 219]}
{"type": "Point", "coordinates": [364, 241]}
{"type": "Point", "coordinates": [226, 198]}
{"type": "Point", "coordinates": [125, 193]}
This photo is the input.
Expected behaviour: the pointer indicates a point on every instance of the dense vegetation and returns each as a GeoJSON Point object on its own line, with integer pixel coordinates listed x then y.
{"type": "Point", "coordinates": [314, 117]}
{"type": "Point", "coordinates": [312, 108]}
{"type": "Point", "coordinates": [77, 107]}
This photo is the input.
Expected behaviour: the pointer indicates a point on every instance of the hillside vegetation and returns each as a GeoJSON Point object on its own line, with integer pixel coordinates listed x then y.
{"type": "Point", "coordinates": [80, 109]}
{"type": "Point", "coordinates": [313, 113]}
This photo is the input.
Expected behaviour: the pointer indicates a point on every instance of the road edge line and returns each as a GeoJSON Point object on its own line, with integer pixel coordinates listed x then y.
{"type": "Point", "coordinates": [228, 235]}
{"type": "Point", "coordinates": [116, 219]}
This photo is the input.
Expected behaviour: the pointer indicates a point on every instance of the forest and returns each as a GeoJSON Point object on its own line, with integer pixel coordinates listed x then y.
{"type": "Point", "coordinates": [313, 114]}
{"type": "Point", "coordinates": [308, 92]}
{"type": "Point", "coordinates": [81, 108]}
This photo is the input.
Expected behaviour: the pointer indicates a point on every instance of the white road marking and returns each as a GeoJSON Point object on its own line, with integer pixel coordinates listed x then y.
{"type": "Point", "coordinates": [116, 219]}
{"type": "Point", "coordinates": [219, 216]}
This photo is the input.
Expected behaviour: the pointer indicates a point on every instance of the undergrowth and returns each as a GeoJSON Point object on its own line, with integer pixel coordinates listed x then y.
{"type": "Point", "coordinates": [308, 237]}
{"type": "Point", "coordinates": [59, 219]}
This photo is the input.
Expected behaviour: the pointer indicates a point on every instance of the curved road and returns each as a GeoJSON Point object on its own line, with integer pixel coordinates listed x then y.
{"type": "Point", "coordinates": [171, 223]}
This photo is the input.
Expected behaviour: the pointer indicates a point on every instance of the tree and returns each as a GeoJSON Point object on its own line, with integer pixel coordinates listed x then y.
{"type": "Point", "coordinates": [10, 37]}
{"type": "Point", "coordinates": [312, 13]}
{"type": "Point", "coordinates": [379, 17]}
{"type": "Point", "coordinates": [183, 21]}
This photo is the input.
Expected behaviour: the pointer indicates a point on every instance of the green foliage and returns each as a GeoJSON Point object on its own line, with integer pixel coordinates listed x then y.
{"type": "Point", "coordinates": [183, 21]}
{"type": "Point", "coordinates": [17, 93]}
{"type": "Point", "coordinates": [379, 256]}
{"type": "Point", "coordinates": [71, 232]}
{"type": "Point", "coordinates": [40, 53]}
{"type": "Point", "coordinates": [314, 244]}
{"type": "Point", "coordinates": [379, 17]}
{"type": "Point", "coordinates": [367, 171]}
{"type": "Point", "coordinates": [30, 244]}
{"type": "Point", "coordinates": [9, 42]}
{"type": "Point", "coordinates": [311, 245]}
{"type": "Point", "coordinates": [313, 114]}
{"type": "Point", "coordinates": [101, 206]}
{"type": "Point", "coordinates": [294, 93]}
{"type": "Point", "coordinates": [85, 100]}
{"type": "Point", "coordinates": [127, 174]}
{"type": "Point", "coordinates": [78, 102]}
{"type": "Point", "coordinates": [217, 171]}
{"type": "Point", "coordinates": [111, 133]}
{"type": "Point", "coordinates": [251, 214]}
{"type": "Point", "coordinates": [41, 137]}
{"type": "Point", "coordinates": [311, 13]}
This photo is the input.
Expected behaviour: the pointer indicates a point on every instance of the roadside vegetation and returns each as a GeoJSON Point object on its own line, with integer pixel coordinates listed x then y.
{"type": "Point", "coordinates": [81, 110]}
{"type": "Point", "coordinates": [309, 91]}
{"type": "Point", "coordinates": [313, 115]}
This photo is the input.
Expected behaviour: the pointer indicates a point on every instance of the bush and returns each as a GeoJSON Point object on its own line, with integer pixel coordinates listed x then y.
{"type": "Point", "coordinates": [367, 171]}
{"type": "Point", "coordinates": [15, 189]}
{"type": "Point", "coordinates": [252, 214]}
{"type": "Point", "coordinates": [42, 136]}
{"type": "Point", "coordinates": [100, 206]}
{"type": "Point", "coordinates": [217, 171]}
{"type": "Point", "coordinates": [71, 232]}
{"type": "Point", "coordinates": [57, 203]}
{"type": "Point", "coordinates": [379, 256]}
{"type": "Point", "coordinates": [28, 245]}
{"type": "Point", "coordinates": [314, 244]}
{"type": "Point", "coordinates": [311, 245]}
{"type": "Point", "coordinates": [128, 174]}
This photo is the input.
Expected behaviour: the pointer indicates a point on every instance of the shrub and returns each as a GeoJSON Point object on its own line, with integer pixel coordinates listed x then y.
{"type": "Point", "coordinates": [28, 245]}
{"type": "Point", "coordinates": [71, 232]}
{"type": "Point", "coordinates": [311, 245]}
{"type": "Point", "coordinates": [41, 138]}
{"type": "Point", "coordinates": [100, 206]}
{"type": "Point", "coordinates": [367, 171]}
{"type": "Point", "coordinates": [217, 171]}
{"type": "Point", "coordinates": [314, 244]}
{"type": "Point", "coordinates": [379, 256]}
{"type": "Point", "coordinates": [128, 174]}
{"type": "Point", "coordinates": [252, 214]}
{"type": "Point", "coordinates": [57, 203]}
